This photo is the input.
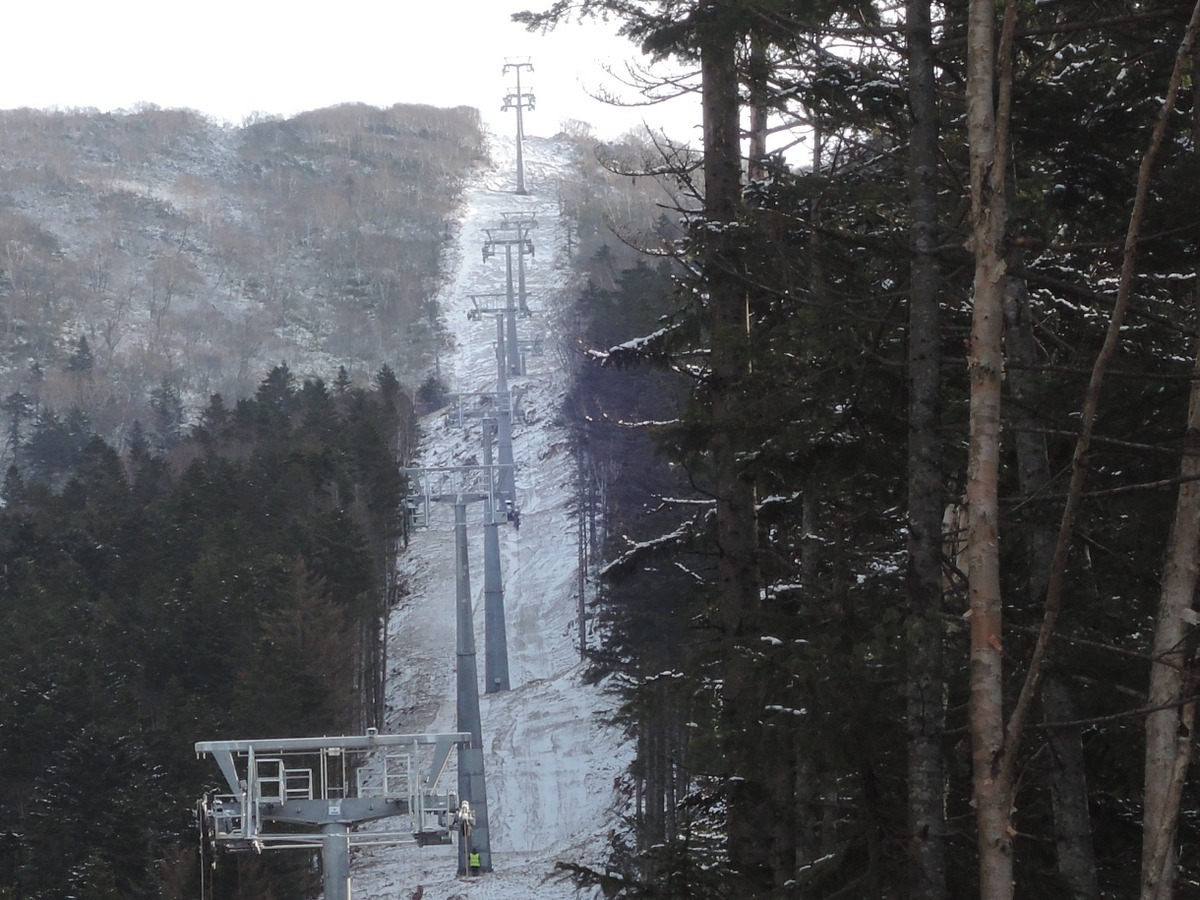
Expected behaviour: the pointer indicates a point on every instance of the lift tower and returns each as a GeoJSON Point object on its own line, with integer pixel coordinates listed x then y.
{"type": "Point", "coordinates": [461, 485]}
{"type": "Point", "coordinates": [496, 412]}
{"type": "Point", "coordinates": [512, 233]}
{"type": "Point", "coordinates": [518, 100]}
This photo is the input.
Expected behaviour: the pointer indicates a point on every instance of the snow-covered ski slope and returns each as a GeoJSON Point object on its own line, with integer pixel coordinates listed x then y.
{"type": "Point", "coordinates": [552, 764]}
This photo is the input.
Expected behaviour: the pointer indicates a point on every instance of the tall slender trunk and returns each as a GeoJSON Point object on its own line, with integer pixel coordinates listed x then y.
{"type": "Point", "coordinates": [1075, 856]}
{"type": "Point", "coordinates": [759, 91]}
{"type": "Point", "coordinates": [760, 845]}
{"type": "Point", "coordinates": [1169, 730]}
{"type": "Point", "coordinates": [924, 689]}
{"type": "Point", "coordinates": [1172, 673]}
{"type": "Point", "coordinates": [991, 780]}
{"type": "Point", "coordinates": [1075, 851]}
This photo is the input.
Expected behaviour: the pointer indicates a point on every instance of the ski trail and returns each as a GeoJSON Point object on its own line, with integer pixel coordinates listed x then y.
{"type": "Point", "coordinates": [552, 764]}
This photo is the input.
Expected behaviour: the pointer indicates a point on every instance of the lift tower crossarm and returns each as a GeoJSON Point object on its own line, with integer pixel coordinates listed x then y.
{"type": "Point", "coordinates": [455, 484]}
{"type": "Point", "coordinates": [223, 752]}
{"type": "Point", "coordinates": [517, 219]}
{"type": "Point", "coordinates": [487, 404]}
{"type": "Point", "coordinates": [298, 782]}
{"type": "Point", "coordinates": [480, 309]}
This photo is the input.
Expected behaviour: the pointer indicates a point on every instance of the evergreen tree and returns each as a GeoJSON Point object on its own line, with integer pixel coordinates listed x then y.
{"type": "Point", "coordinates": [81, 361]}
{"type": "Point", "coordinates": [167, 405]}
{"type": "Point", "coordinates": [19, 409]}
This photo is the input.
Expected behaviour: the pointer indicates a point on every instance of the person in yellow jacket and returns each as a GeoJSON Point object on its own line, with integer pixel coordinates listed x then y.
{"type": "Point", "coordinates": [473, 862]}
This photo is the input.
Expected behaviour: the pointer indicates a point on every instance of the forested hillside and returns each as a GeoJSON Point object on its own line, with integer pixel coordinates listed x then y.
{"type": "Point", "coordinates": [149, 260]}
{"type": "Point", "coordinates": [899, 575]}
{"type": "Point", "coordinates": [236, 586]}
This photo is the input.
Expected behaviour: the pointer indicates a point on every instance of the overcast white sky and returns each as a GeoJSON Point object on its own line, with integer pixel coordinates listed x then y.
{"type": "Point", "coordinates": [230, 58]}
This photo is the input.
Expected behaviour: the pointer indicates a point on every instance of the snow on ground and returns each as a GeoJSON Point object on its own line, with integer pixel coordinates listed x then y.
{"type": "Point", "coordinates": [552, 764]}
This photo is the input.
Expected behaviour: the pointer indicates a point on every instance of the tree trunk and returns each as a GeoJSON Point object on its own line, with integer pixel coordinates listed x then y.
{"type": "Point", "coordinates": [924, 689]}
{"type": "Point", "coordinates": [990, 779]}
{"type": "Point", "coordinates": [760, 843]}
{"type": "Point", "coordinates": [1075, 856]}
{"type": "Point", "coordinates": [760, 92]}
{"type": "Point", "coordinates": [1172, 669]}
{"type": "Point", "coordinates": [1169, 729]}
